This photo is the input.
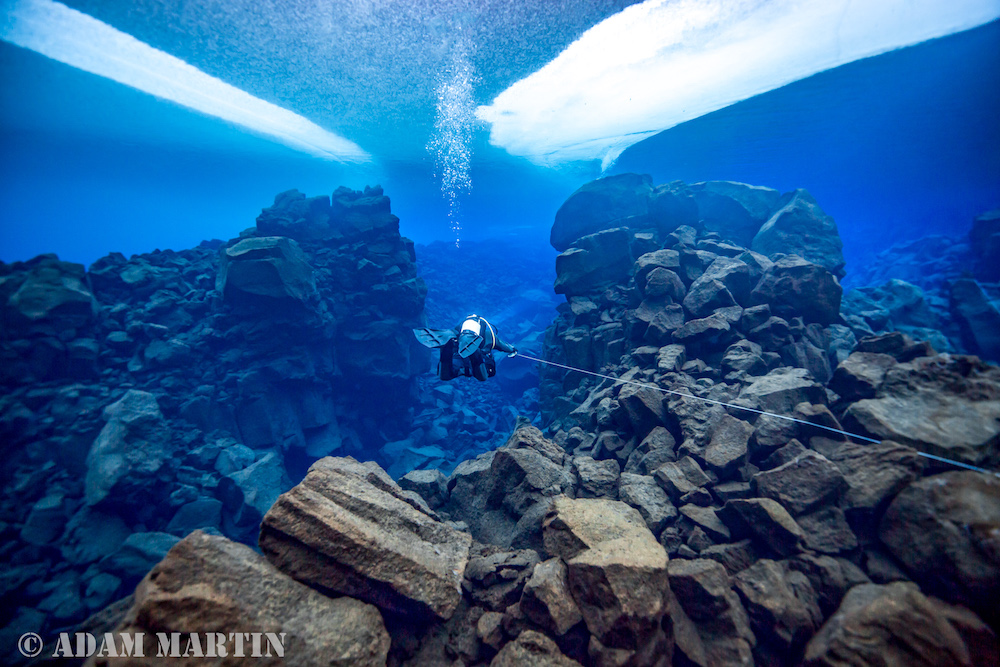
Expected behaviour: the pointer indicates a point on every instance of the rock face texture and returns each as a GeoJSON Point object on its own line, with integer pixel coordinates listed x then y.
{"type": "Point", "coordinates": [706, 503]}
{"type": "Point", "coordinates": [172, 391]}
{"type": "Point", "coordinates": [207, 584]}
{"type": "Point", "coordinates": [945, 530]}
{"type": "Point", "coordinates": [340, 533]}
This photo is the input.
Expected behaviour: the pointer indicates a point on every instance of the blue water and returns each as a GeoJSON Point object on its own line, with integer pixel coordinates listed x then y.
{"type": "Point", "coordinates": [895, 146]}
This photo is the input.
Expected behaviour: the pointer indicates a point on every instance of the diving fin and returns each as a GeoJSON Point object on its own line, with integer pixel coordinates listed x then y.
{"type": "Point", "coordinates": [433, 337]}
{"type": "Point", "coordinates": [468, 344]}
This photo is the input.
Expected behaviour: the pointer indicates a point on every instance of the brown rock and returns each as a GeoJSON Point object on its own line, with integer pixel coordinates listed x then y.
{"type": "Point", "coordinates": [802, 484]}
{"type": "Point", "coordinates": [532, 648]}
{"type": "Point", "coordinates": [546, 599]}
{"type": "Point", "coordinates": [766, 521]}
{"type": "Point", "coordinates": [338, 532]}
{"type": "Point", "coordinates": [945, 530]}
{"type": "Point", "coordinates": [209, 584]}
{"type": "Point", "coordinates": [887, 625]}
{"type": "Point", "coordinates": [783, 607]}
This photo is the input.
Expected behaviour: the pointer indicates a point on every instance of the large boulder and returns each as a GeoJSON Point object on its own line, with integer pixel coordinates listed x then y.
{"type": "Point", "coordinates": [800, 227]}
{"type": "Point", "coordinates": [263, 272]}
{"type": "Point", "coordinates": [130, 449]}
{"type": "Point", "coordinates": [347, 529]}
{"type": "Point", "coordinates": [594, 261]}
{"type": "Point", "coordinates": [208, 584]}
{"type": "Point", "coordinates": [615, 201]}
{"type": "Point", "coordinates": [945, 530]}
{"type": "Point", "coordinates": [764, 520]}
{"type": "Point", "coordinates": [887, 625]}
{"type": "Point", "coordinates": [802, 484]}
{"type": "Point", "coordinates": [53, 293]}
{"type": "Point", "coordinates": [735, 210]}
{"type": "Point", "coordinates": [296, 216]}
{"type": "Point", "coordinates": [617, 571]}
{"type": "Point", "coordinates": [782, 389]}
{"type": "Point", "coordinates": [977, 317]}
{"type": "Point", "coordinates": [783, 607]}
{"type": "Point", "coordinates": [795, 287]}
{"type": "Point", "coordinates": [946, 406]}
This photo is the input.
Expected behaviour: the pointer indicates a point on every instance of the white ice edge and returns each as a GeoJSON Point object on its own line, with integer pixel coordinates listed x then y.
{"type": "Point", "coordinates": [76, 39]}
{"type": "Point", "coordinates": [663, 62]}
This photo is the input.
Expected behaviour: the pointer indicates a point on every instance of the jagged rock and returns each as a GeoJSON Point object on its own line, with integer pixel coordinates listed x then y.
{"type": "Point", "coordinates": [670, 358]}
{"type": "Point", "coordinates": [609, 202]}
{"type": "Point", "coordinates": [875, 473]}
{"type": "Point", "coordinates": [655, 449]}
{"type": "Point", "coordinates": [664, 283]}
{"type": "Point", "coordinates": [209, 584]}
{"type": "Point", "coordinates": [800, 227]}
{"type": "Point", "coordinates": [977, 318]}
{"type": "Point", "coordinates": [945, 530]}
{"type": "Point", "coordinates": [204, 513]}
{"type": "Point", "coordinates": [888, 625]}
{"type": "Point", "coordinates": [773, 335]}
{"type": "Point", "coordinates": [943, 405]}
{"type": "Point", "coordinates": [46, 520]}
{"type": "Point", "coordinates": [432, 485]}
{"type": "Point", "coordinates": [802, 484]}
{"type": "Point", "coordinates": [130, 449]}
{"type": "Point", "coordinates": [783, 607]}
{"type": "Point", "coordinates": [265, 272]}
{"type": "Point", "coordinates": [546, 599]}
{"type": "Point", "coordinates": [643, 407]}
{"type": "Point", "coordinates": [826, 531]}
{"type": "Point", "coordinates": [735, 210]}
{"type": "Point", "coordinates": [497, 580]}
{"type": "Point", "coordinates": [701, 586]}
{"type": "Point", "coordinates": [249, 493]}
{"type": "Point", "coordinates": [860, 375]}
{"type": "Point", "coordinates": [707, 332]}
{"type": "Point", "coordinates": [643, 493]}
{"type": "Point", "coordinates": [51, 294]}
{"type": "Point", "coordinates": [703, 589]}
{"type": "Point", "coordinates": [706, 519]}
{"type": "Point", "coordinates": [137, 555]}
{"type": "Point", "coordinates": [617, 570]}
{"type": "Point", "coordinates": [339, 532]}
{"type": "Point", "coordinates": [594, 261]}
{"type": "Point", "coordinates": [727, 451]}
{"type": "Point", "coordinates": [597, 478]}
{"type": "Point", "coordinates": [532, 648]}
{"type": "Point", "coordinates": [735, 556]}
{"type": "Point", "coordinates": [794, 287]}
{"type": "Point", "coordinates": [766, 521]}
{"type": "Point", "coordinates": [782, 389]}
{"type": "Point", "coordinates": [680, 477]}
{"type": "Point", "coordinates": [745, 356]}
{"type": "Point", "coordinates": [830, 577]}
{"type": "Point", "coordinates": [659, 259]}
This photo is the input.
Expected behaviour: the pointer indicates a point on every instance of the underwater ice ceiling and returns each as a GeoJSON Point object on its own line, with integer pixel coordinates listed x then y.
{"type": "Point", "coordinates": [416, 80]}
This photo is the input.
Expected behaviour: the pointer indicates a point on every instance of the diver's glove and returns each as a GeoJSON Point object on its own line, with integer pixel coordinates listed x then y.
{"type": "Point", "coordinates": [514, 352]}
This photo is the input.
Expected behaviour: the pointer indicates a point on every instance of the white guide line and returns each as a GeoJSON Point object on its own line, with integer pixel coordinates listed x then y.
{"type": "Point", "coordinates": [754, 410]}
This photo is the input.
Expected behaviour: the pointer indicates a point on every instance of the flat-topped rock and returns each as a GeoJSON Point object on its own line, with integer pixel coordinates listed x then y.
{"type": "Point", "coordinates": [208, 584]}
{"type": "Point", "coordinates": [339, 533]}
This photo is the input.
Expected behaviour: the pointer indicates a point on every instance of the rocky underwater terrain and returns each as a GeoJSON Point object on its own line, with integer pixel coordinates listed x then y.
{"type": "Point", "coordinates": [202, 441]}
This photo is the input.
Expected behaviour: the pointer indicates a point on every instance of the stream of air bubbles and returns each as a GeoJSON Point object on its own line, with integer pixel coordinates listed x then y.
{"type": "Point", "coordinates": [450, 143]}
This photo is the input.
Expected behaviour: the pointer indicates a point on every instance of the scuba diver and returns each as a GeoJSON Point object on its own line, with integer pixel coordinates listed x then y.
{"type": "Point", "coordinates": [466, 350]}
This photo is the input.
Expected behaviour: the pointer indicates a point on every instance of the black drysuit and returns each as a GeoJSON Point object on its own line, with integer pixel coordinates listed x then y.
{"type": "Point", "coordinates": [480, 364]}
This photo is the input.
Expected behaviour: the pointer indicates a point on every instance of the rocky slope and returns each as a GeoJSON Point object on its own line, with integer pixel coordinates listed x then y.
{"type": "Point", "coordinates": [644, 526]}
{"type": "Point", "coordinates": [147, 397]}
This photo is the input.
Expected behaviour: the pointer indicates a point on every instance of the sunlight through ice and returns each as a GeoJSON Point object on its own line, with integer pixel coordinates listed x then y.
{"type": "Point", "coordinates": [73, 38]}
{"type": "Point", "coordinates": [451, 141]}
{"type": "Point", "coordinates": [660, 63]}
